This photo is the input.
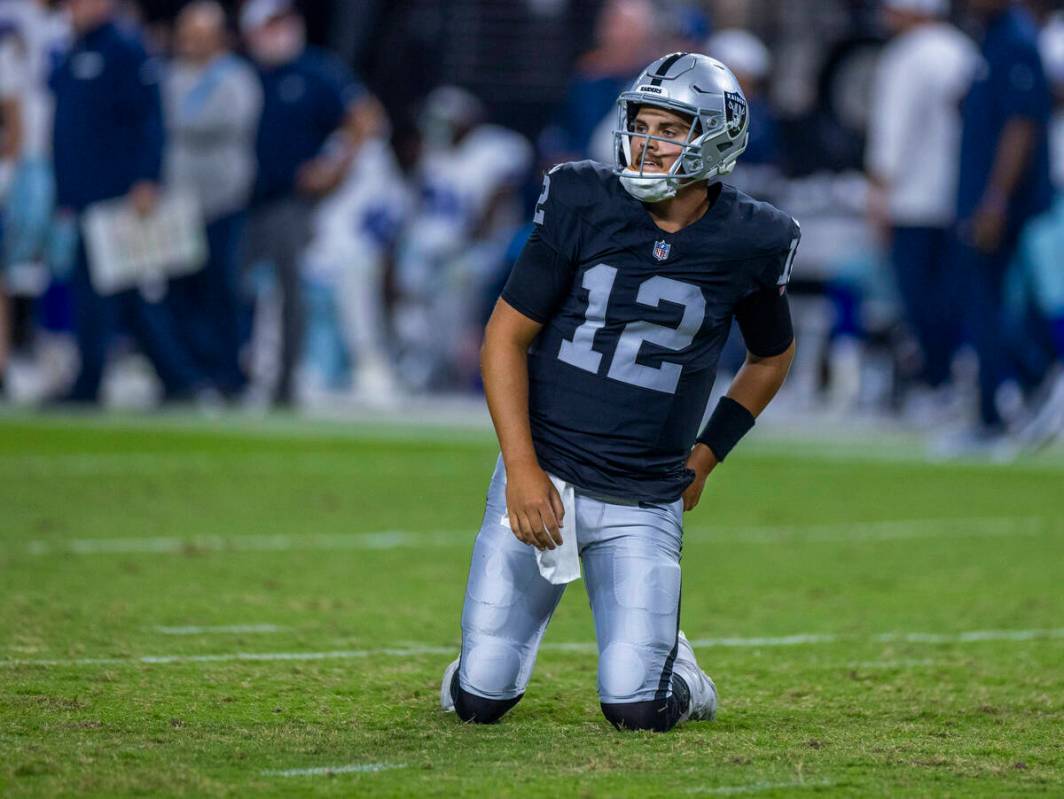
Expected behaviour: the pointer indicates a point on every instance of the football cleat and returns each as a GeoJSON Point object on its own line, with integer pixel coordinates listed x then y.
{"type": "Point", "coordinates": [446, 700]}
{"type": "Point", "coordinates": [703, 705]}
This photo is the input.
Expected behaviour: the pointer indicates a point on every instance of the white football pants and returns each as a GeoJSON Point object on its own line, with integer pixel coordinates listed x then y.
{"type": "Point", "coordinates": [631, 563]}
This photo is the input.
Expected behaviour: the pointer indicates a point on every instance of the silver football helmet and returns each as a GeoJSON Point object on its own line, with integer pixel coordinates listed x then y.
{"type": "Point", "coordinates": [699, 87]}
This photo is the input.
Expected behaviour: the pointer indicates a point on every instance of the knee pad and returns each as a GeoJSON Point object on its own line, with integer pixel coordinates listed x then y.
{"type": "Point", "coordinates": [622, 672]}
{"type": "Point", "coordinates": [479, 709]}
{"type": "Point", "coordinates": [492, 666]}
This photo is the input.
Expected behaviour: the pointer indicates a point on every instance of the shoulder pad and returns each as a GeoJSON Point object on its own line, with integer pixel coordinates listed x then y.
{"type": "Point", "coordinates": [580, 184]}
{"type": "Point", "coordinates": [767, 228]}
{"type": "Point", "coordinates": [570, 192]}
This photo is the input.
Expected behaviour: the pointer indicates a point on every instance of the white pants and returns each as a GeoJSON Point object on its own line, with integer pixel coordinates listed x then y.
{"type": "Point", "coordinates": [631, 562]}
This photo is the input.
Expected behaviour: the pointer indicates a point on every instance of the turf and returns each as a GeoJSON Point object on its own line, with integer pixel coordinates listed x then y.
{"type": "Point", "coordinates": [928, 598]}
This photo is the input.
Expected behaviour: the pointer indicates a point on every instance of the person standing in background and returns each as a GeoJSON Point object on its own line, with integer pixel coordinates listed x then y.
{"type": "Point", "coordinates": [467, 178]}
{"type": "Point", "coordinates": [212, 102]}
{"type": "Point", "coordinates": [30, 36]}
{"type": "Point", "coordinates": [1004, 181]}
{"type": "Point", "coordinates": [912, 161]}
{"type": "Point", "coordinates": [1039, 263]}
{"type": "Point", "coordinates": [751, 62]}
{"type": "Point", "coordinates": [627, 32]}
{"type": "Point", "coordinates": [107, 144]}
{"type": "Point", "coordinates": [308, 133]}
{"type": "Point", "coordinates": [10, 148]}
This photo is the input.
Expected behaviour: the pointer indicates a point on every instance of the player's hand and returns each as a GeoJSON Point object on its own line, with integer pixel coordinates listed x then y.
{"type": "Point", "coordinates": [144, 196]}
{"type": "Point", "coordinates": [988, 226]}
{"type": "Point", "coordinates": [319, 176]}
{"type": "Point", "coordinates": [534, 507]}
{"type": "Point", "coordinates": [701, 461]}
{"type": "Point", "coordinates": [879, 216]}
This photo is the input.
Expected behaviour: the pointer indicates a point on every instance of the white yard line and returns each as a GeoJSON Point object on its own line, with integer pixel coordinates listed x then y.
{"type": "Point", "coordinates": [328, 771]}
{"type": "Point", "coordinates": [783, 640]}
{"type": "Point", "coordinates": [229, 657]}
{"type": "Point", "coordinates": [174, 545]}
{"type": "Point", "coordinates": [220, 629]}
{"type": "Point", "coordinates": [843, 532]}
{"type": "Point", "coordinates": [756, 787]}
{"type": "Point", "coordinates": [970, 637]}
{"type": "Point", "coordinates": [973, 636]}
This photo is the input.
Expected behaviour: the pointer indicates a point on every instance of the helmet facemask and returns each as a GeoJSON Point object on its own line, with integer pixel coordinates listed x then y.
{"type": "Point", "coordinates": [704, 131]}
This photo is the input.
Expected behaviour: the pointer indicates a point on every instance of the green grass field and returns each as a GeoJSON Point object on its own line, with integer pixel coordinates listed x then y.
{"type": "Point", "coordinates": [206, 609]}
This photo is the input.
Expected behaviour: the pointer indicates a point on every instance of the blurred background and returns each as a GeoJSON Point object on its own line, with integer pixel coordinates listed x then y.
{"type": "Point", "coordinates": [315, 204]}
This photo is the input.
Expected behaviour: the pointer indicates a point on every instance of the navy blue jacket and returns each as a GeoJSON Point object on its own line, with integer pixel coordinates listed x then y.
{"type": "Point", "coordinates": [108, 132]}
{"type": "Point", "coordinates": [1011, 83]}
{"type": "Point", "coordinates": [303, 103]}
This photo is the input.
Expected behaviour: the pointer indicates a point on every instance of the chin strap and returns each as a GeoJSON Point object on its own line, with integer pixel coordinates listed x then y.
{"type": "Point", "coordinates": [650, 189]}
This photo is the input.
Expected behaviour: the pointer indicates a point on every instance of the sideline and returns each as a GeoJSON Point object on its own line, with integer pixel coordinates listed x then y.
{"type": "Point", "coordinates": [463, 420]}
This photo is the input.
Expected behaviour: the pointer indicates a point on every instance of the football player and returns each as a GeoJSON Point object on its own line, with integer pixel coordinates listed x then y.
{"type": "Point", "coordinates": [598, 363]}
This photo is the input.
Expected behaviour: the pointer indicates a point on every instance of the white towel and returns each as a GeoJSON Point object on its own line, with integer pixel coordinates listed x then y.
{"type": "Point", "coordinates": [560, 565]}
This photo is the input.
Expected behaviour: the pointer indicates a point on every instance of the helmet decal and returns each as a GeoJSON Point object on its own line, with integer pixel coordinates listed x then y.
{"type": "Point", "coordinates": [735, 112]}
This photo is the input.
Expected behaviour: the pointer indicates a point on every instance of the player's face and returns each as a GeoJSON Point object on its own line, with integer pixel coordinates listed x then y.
{"type": "Point", "coordinates": [660, 155]}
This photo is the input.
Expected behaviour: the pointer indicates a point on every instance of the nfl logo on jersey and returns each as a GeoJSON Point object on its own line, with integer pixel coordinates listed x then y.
{"type": "Point", "coordinates": [661, 249]}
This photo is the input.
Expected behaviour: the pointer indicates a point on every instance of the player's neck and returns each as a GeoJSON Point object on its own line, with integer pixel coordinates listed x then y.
{"type": "Point", "coordinates": [688, 206]}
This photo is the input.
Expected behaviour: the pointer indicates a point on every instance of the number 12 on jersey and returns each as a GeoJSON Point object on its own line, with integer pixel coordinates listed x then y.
{"type": "Point", "coordinates": [579, 351]}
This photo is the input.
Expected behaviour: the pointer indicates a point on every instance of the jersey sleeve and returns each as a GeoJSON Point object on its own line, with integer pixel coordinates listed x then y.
{"type": "Point", "coordinates": [556, 219]}
{"type": "Point", "coordinates": [11, 71]}
{"type": "Point", "coordinates": [773, 271]}
{"type": "Point", "coordinates": [139, 96]}
{"type": "Point", "coordinates": [540, 279]}
{"type": "Point", "coordinates": [764, 319]}
{"type": "Point", "coordinates": [1026, 92]}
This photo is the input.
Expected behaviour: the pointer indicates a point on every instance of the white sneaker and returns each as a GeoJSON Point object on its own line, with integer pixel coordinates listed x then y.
{"type": "Point", "coordinates": [1047, 423]}
{"type": "Point", "coordinates": [971, 443]}
{"type": "Point", "coordinates": [703, 705]}
{"type": "Point", "coordinates": [446, 701]}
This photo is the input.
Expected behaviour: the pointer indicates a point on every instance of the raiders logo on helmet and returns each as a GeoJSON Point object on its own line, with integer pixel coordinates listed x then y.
{"type": "Point", "coordinates": [735, 112]}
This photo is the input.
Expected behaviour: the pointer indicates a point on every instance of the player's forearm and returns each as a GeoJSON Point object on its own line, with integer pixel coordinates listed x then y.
{"type": "Point", "coordinates": [11, 138]}
{"type": "Point", "coordinates": [504, 370]}
{"type": "Point", "coordinates": [760, 379]}
{"type": "Point", "coordinates": [1013, 152]}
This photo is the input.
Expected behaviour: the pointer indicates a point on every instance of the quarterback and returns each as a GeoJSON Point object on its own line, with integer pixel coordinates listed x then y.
{"type": "Point", "coordinates": [598, 362]}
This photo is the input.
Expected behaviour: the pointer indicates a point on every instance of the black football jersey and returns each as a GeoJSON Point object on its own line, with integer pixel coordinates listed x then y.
{"type": "Point", "coordinates": [620, 375]}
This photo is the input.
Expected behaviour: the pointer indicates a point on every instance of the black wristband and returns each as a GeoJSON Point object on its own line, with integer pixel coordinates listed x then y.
{"type": "Point", "coordinates": [730, 422]}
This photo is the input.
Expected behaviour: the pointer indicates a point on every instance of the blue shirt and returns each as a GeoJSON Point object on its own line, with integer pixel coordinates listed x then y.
{"type": "Point", "coordinates": [108, 131]}
{"type": "Point", "coordinates": [303, 103]}
{"type": "Point", "coordinates": [587, 101]}
{"type": "Point", "coordinates": [1010, 84]}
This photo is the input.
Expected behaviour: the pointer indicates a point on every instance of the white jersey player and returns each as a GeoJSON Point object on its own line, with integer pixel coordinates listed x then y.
{"type": "Point", "coordinates": [467, 207]}
{"type": "Point", "coordinates": [31, 40]}
{"type": "Point", "coordinates": [353, 231]}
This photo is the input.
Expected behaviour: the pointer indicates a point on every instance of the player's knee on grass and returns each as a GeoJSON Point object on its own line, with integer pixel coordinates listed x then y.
{"type": "Point", "coordinates": [658, 715]}
{"type": "Point", "coordinates": [479, 709]}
